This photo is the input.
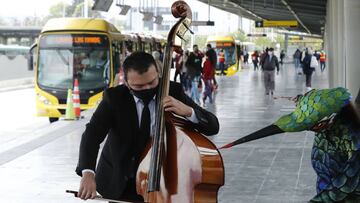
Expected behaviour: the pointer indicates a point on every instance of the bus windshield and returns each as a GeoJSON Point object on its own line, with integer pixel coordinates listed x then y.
{"type": "Point", "coordinates": [229, 53]}
{"type": "Point", "coordinates": [62, 58]}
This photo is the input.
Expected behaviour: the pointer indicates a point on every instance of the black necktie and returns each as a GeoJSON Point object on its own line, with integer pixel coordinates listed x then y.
{"type": "Point", "coordinates": [141, 139]}
{"type": "Point", "coordinates": [144, 125]}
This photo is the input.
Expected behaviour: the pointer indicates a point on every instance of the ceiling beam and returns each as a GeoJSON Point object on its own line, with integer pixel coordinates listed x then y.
{"type": "Point", "coordinates": [296, 16]}
{"type": "Point", "coordinates": [244, 9]}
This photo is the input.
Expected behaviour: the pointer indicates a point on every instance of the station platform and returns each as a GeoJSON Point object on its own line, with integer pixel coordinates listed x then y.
{"type": "Point", "coordinates": [272, 170]}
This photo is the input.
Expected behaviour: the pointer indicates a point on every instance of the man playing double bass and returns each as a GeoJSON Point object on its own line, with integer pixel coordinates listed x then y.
{"type": "Point", "coordinates": [126, 116]}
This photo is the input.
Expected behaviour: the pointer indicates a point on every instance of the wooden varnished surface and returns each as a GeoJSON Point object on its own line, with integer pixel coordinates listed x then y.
{"type": "Point", "coordinates": [195, 173]}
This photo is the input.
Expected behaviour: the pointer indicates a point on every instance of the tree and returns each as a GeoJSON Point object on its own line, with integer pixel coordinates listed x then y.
{"type": "Point", "coordinates": [3, 22]}
{"type": "Point", "coordinates": [58, 10]}
{"type": "Point", "coordinates": [119, 24]}
{"type": "Point", "coordinates": [15, 22]}
{"type": "Point", "coordinates": [240, 35]}
{"type": "Point", "coordinates": [263, 42]}
{"type": "Point", "coordinates": [32, 21]}
{"type": "Point", "coordinates": [75, 9]}
{"type": "Point", "coordinates": [78, 11]}
{"type": "Point", "coordinates": [281, 40]}
{"type": "Point", "coordinates": [200, 40]}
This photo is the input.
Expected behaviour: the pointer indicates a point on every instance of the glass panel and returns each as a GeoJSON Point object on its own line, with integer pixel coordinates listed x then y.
{"type": "Point", "coordinates": [58, 66]}
{"type": "Point", "coordinates": [230, 56]}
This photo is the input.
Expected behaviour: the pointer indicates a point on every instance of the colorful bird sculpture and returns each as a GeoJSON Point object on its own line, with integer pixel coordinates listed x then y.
{"type": "Point", "coordinates": [336, 150]}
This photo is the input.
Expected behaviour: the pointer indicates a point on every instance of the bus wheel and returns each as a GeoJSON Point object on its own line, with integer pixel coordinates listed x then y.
{"type": "Point", "coordinates": [53, 119]}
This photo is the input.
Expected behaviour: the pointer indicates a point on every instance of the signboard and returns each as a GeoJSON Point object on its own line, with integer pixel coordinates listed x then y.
{"type": "Point", "coordinates": [202, 23]}
{"type": "Point", "coordinates": [276, 23]}
{"type": "Point", "coordinates": [256, 35]}
{"type": "Point", "coordinates": [296, 37]}
{"type": "Point", "coordinates": [71, 40]}
{"type": "Point", "coordinates": [224, 44]}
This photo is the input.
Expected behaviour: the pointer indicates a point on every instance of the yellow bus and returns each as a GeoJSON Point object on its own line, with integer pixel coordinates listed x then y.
{"type": "Point", "coordinates": [90, 50]}
{"type": "Point", "coordinates": [230, 49]}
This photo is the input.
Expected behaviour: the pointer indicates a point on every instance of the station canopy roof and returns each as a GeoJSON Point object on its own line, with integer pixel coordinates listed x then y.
{"type": "Point", "coordinates": [310, 14]}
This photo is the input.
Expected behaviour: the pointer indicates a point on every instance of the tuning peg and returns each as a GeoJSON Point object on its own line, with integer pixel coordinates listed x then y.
{"type": "Point", "coordinates": [181, 37]}
{"type": "Point", "coordinates": [187, 27]}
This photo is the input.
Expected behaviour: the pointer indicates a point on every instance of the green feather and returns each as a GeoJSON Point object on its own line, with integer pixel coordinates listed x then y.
{"type": "Point", "coordinates": [312, 107]}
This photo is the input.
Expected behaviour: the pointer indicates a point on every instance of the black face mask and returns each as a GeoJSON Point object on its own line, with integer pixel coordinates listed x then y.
{"type": "Point", "coordinates": [145, 95]}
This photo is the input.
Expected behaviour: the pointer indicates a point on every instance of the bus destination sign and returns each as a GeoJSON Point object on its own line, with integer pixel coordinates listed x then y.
{"type": "Point", "coordinates": [73, 40]}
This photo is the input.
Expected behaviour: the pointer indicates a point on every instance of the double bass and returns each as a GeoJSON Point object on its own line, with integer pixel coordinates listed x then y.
{"type": "Point", "coordinates": [179, 164]}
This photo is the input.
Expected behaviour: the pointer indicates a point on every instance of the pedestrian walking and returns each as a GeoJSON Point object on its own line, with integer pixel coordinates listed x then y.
{"type": "Point", "coordinates": [213, 59]}
{"type": "Point", "coordinates": [307, 69]}
{"type": "Point", "coordinates": [322, 61]}
{"type": "Point", "coordinates": [255, 60]}
{"type": "Point", "coordinates": [297, 57]}
{"type": "Point", "coordinates": [221, 58]}
{"type": "Point", "coordinates": [282, 56]}
{"type": "Point", "coordinates": [178, 62]}
{"type": "Point", "coordinates": [207, 76]}
{"type": "Point", "coordinates": [269, 63]}
{"type": "Point", "coordinates": [194, 70]}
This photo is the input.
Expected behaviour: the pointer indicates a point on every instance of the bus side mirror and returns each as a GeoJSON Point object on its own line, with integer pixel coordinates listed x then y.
{"type": "Point", "coordinates": [30, 61]}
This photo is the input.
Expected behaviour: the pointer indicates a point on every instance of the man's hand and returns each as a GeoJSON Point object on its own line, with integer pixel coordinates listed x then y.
{"type": "Point", "coordinates": [87, 188]}
{"type": "Point", "coordinates": [176, 106]}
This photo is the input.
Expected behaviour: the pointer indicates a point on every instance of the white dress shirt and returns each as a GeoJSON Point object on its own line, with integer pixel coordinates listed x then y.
{"type": "Point", "coordinates": [139, 107]}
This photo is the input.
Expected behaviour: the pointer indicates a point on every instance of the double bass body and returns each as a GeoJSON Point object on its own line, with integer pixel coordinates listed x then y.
{"type": "Point", "coordinates": [192, 170]}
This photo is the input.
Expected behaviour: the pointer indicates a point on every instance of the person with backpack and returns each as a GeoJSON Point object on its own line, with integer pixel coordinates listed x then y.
{"type": "Point", "coordinates": [269, 62]}
{"type": "Point", "coordinates": [309, 65]}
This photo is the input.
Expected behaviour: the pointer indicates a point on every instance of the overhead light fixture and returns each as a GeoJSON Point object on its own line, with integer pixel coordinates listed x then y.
{"type": "Point", "coordinates": [102, 5]}
{"type": "Point", "coordinates": [124, 8]}
{"type": "Point", "coordinates": [158, 20]}
{"type": "Point", "coordinates": [148, 16]}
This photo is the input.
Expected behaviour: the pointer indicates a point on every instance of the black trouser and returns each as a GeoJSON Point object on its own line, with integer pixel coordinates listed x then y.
{"type": "Point", "coordinates": [129, 192]}
{"type": "Point", "coordinates": [177, 72]}
{"type": "Point", "coordinates": [322, 66]}
{"type": "Point", "coordinates": [255, 65]}
{"type": "Point", "coordinates": [308, 79]}
{"type": "Point", "coordinates": [222, 68]}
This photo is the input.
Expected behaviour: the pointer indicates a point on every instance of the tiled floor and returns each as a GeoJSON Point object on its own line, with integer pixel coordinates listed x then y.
{"type": "Point", "coordinates": [274, 169]}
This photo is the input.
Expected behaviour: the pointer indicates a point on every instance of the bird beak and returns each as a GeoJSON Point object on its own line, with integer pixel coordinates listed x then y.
{"type": "Point", "coordinates": [264, 132]}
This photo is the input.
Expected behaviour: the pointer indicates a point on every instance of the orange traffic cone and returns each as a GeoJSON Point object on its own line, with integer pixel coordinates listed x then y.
{"type": "Point", "coordinates": [76, 99]}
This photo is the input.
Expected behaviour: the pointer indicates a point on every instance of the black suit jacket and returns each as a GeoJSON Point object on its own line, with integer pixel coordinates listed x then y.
{"type": "Point", "coordinates": [116, 116]}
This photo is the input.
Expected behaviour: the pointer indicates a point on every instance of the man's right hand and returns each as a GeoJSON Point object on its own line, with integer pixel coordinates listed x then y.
{"type": "Point", "coordinates": [87, 188]}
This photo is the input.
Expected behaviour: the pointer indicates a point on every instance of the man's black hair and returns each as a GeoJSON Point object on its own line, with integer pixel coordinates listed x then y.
{"type": "Point", "coordinates": [138, 61]}
{"type": "Point", "coordinates": [208, 45]}
{"type": "Point", "coordinates": [195, 45]}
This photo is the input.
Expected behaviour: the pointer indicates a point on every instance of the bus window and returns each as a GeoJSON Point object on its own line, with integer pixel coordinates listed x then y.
{"type": "Point", "coordinates": [147, 47]}
{"type": "Point", "coordinates": [129, 47]}
{"type": "Point", "coordinates": [229, 54]}
{"type": "Point", "coordinates": [116, 57]}
{"type": "Point", "coordinates": [68, 56]}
